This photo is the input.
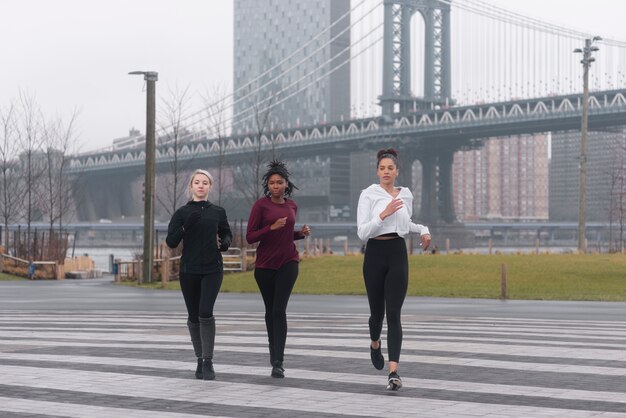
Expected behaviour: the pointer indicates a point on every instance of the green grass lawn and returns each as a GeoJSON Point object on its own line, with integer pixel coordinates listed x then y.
{"type": "Point", "coordinates": [4, 276]}
{"type": "Point", "coordinates": [549, 276]}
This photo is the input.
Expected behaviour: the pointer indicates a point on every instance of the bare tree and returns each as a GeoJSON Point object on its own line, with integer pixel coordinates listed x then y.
{"type": "Point", "coordinates": [611, 205]}
{"type": "Point", "coordinates": [617, 197]}
{"type": "Point", "coordinates": [621, 207]}
{"type": "Point", "coordinates": [59, 144]}
{"type": "Point", "coordinates": [248, 176]}
{"type": "Point", "coordinates": [30, 137]}
{"type": "Point", "coordinates": [10, 197]}
{"type": "Point", "coordinates": [172, 185]}
{"type": "Point", "coordinates": [216, 117]}
{"type": "Point", "coordinates": [67, 184]}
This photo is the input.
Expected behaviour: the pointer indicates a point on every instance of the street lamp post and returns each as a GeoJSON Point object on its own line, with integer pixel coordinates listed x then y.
{"type": "Point", "coordinates": [148, 213]}
{"type": "Point", "coordinates": [582, 181]}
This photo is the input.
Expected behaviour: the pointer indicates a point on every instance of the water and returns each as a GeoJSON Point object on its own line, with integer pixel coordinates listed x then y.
{"type": "Point", "coordinates": [101, 255]}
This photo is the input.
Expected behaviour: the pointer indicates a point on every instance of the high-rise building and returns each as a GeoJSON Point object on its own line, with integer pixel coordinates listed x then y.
{"type": "Point", "coordinates": [606, 161]}
{"type": "Point", "coordinates": [506, 179]}
{"type": "Point", "coordinates": [277, 81]}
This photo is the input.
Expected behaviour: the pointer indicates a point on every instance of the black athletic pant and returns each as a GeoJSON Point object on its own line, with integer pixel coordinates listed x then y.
{"type": "Point", "coordinates": [386, 274]}
{"type": "Point", "coordinates": [276, 287]}
{"type": "Point", "coordinates": [200, 292]}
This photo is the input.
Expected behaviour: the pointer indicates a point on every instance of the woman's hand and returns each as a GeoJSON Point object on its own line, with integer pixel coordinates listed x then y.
{"type": "Point", "coordinates": [280, 223]}
{"type": "Point", "coordinates": [192, 219]}
{"type": "Point", "coordinates": [305, 231]}
{"type": "Point", "coordinates": [425, 241]}
{"type": "Point", "coordinates": [221, 247]}
{"type": "Point", "coordinates": [391, 208]}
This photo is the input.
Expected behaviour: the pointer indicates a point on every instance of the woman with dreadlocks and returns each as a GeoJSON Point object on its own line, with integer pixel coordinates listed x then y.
{"type": "Point", "coordinates": [271, 224]}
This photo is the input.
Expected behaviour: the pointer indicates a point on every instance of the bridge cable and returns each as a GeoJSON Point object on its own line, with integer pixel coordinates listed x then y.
{"type": "Point", "coordinates": [285, 60]}
{"type": "Point", "coordinates": [272, 105]}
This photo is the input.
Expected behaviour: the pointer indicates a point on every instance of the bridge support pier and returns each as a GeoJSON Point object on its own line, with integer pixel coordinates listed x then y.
{"type": "Point", "coordinates": [429, 212]}
{"type": "Point", "coordinates": [446, 195]}
{"type": "Point", "coordinates": [437, 194]}
{"type": "Point", "coordinates": [108, 197]}
{"type": "Point", "coordinates": [437, 208]}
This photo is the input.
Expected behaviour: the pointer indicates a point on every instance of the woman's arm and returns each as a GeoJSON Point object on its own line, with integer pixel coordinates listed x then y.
{"type": "Point", "coordinates": [368, 223]}
{"type": "Point", "coordinates": [424, 234]}
{"type": "Point", "coordinates": [418, 229]}
{"type": "Point", "coordinates": [300, 234]}
{"type": "Point", "coordinates": [175, 230]}
{"type": "Point", "coordinates": [224, 232]}
{"type": "Point", "coordinates": [255, 231]}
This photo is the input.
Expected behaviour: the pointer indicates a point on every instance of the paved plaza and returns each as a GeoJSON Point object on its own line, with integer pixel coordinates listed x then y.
{"type": "Point", "coordinates": [88, 348]}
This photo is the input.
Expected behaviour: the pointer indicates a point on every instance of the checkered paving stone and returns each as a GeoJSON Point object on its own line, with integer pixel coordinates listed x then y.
{"type": "Point", "coordinates": [141, 364]}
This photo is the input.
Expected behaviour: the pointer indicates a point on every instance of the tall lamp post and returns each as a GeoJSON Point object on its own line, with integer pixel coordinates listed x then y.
{"type": "Point", "coordinates": [148, 213]}
{"type": "Point", "coordinates": [582, 181]}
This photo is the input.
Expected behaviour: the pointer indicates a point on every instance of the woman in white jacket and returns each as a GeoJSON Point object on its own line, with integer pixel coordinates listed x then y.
{"type": "Point", "coordinates": [383, 219]}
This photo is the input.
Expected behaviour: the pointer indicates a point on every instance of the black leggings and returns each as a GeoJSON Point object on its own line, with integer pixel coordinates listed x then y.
{"type": "Point", "coordinates": [276, 287]}
{"type": "Point", "coordinates": [386, 274]}
{"type": "Point", "coordinates": [200, 292]}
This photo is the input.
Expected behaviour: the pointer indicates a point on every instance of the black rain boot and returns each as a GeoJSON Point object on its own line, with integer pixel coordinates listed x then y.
{"type": "Point", "coordinates": [199, 374]}
{"type": "Point", "coordinates": [208, 373]}
{"type": "Point", "coordinates": [194, 332]}
{"type": "Point", "coordinates": [207, 334]}
{"type": "Point", "coordinates": [271, 354]}
{"type": "Point", "coordinates": [277, 369]}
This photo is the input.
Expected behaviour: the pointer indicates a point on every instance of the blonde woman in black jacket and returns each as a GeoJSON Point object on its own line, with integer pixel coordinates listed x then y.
{"type": "Point", "coordinates": [204, 230]}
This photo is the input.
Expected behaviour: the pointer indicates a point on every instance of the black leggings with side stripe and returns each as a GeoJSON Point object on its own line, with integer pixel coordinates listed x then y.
{"type": "Point", "coordinates": [386, 274]}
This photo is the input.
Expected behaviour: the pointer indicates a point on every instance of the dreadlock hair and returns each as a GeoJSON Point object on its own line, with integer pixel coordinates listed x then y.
{"type": "Point", "coordinates": [277, 167]}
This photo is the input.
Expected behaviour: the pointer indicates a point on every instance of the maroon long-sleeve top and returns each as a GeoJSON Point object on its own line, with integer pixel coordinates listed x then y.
{"type": "Point", "coordinates": [275, 247]}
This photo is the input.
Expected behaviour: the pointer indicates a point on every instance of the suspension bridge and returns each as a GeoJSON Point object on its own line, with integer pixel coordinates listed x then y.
{"type": "Point", "coordinates": [430, 77]}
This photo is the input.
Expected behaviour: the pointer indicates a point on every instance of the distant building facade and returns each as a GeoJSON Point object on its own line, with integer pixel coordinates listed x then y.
{"type": "Point", "coordinates": [135, 139]}
{"type": "Point", "coordinates": [506, 179]}
{"type": "Point", "coordinates": [606, 159]}
{"type": "Point", "coordinates": [267, 32]}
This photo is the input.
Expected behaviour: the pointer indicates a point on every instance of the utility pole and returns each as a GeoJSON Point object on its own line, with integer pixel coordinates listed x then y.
{"type": "Point", "coordinates": [148, 213]}
{"type": "Point", "coordinates": [582, 181]}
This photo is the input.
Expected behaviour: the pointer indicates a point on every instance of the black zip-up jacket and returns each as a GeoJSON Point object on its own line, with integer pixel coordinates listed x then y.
{"type": "Point", "coordinates": [201, 254]}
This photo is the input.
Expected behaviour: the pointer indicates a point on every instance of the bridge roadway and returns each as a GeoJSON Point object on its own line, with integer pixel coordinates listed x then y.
{"type": "Point", "coordinates": [423, 131]}
{"type": "Point", "coordinates": [431, 136]}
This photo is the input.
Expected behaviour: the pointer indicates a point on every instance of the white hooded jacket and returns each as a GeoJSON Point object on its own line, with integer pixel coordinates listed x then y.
{"type": "Point", "coordinates": [373, 201]}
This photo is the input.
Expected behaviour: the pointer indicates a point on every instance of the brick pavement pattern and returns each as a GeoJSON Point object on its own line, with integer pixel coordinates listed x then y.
{"type": "Point", "coordinates": [141, 364]}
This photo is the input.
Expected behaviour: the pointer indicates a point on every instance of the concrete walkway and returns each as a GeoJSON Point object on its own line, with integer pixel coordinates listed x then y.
{"type": "Point", "coordinates": [80, 348]}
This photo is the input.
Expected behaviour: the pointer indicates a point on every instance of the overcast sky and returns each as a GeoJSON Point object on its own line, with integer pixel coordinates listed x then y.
{"type": "Point", "coordinates": [77, 53]}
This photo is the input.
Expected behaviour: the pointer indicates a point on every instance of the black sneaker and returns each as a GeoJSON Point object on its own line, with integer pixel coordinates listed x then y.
{"type": "Point", "coordinates": [377, 357]}
{"type": "Point", "coordinates": [394, 382]}
{"type": "Point", "coordinates": [277, 369]}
